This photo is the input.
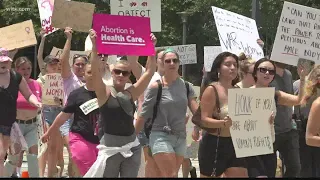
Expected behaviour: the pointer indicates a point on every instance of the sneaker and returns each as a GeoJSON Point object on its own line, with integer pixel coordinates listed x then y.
{"type": "Point", "coordinates": [193, 172]}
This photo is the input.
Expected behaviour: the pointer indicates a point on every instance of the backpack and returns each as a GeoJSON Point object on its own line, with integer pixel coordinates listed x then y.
{"type": "Point", "coordinates": [148, 124]}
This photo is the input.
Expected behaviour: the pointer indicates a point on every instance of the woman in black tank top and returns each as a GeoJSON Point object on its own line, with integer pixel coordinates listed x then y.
{"type": "Point", "coordinates": [117, 111]}
{"type": "Point", "coordinates": [10, 84]}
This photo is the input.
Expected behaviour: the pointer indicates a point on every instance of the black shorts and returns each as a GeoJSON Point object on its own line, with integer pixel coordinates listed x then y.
{"type": "Point", "coordinates": [226, 157]}
{"type": "Point", "coordinates": [5, 130]}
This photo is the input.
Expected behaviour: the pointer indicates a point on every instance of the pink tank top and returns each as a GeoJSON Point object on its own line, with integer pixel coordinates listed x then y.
{"type": "Point", "coordinates": [35, 88]}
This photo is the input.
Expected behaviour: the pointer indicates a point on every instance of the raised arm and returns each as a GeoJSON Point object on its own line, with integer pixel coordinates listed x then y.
{"type": "Point", "coordinates": [134, 63]}
{"type": "Point", "coordinates": [65, 65]}
{"type": "Point", "coordinates": [313, 125]}
{"type": "Point", "coordinates": [101, 91]}
{"type": "Point", "coordinates": [40, 52]}
{"type": "Point", "coordinates": [286, 99]}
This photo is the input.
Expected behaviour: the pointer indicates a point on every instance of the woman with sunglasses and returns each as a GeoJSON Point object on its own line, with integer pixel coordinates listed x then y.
{"type": "Point", "coordinates": [264, 73]}
{"type": "Point", "coordinates": [167, 140]}
{"type": "Point", "coordinates": [11, 83]}
{"type": "Point", "coordinates": [119, 142]}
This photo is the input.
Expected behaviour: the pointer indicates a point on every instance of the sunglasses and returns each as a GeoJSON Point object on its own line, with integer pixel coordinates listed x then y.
{"type": "Point", "coordinates": [80, 55]}
{"type": "Point", "coordinates": [169, 61]}
{"type": "Point", "coordinates": [265, 70]}
{"type": "Point", "coordinates": [124, 73]}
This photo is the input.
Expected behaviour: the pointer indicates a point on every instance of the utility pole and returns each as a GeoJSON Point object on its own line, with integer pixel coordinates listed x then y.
{"type": "Point", "coordinates": [255, 10]}
{"type": "Point", "coordinates": [184, 16]}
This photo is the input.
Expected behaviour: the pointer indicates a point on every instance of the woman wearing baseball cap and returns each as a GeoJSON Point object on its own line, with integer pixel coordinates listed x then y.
{"type": "Point", "coordinates": [10, 84]}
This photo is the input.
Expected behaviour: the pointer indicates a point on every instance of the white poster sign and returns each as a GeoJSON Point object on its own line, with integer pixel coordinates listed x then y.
{"type": "Point", "coordinates": [237, 33]}
{"type": "Point", "coordinates": [210, 53]}
{"type": "Point", "coordinates": [250, 113]}
{"type": "Point", "coordinates": [142, 8]}
{"type": "Point", "coordinates": [187, 53]}
{"type": "Point", "coordinates": [298, 35]}
{"type": "Point", "coordinates": [45, 10]}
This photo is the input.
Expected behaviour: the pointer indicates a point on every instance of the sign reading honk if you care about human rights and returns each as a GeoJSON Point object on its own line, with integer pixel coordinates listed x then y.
{"type": "Point", "coordinates": [250, 113]}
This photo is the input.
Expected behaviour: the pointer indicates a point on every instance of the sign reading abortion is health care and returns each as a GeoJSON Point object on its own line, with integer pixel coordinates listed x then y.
{"type": "Point", "coordinates": [123, 35]}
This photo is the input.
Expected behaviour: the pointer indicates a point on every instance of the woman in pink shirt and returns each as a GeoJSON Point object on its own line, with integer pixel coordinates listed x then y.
{"type": "Point", "coordinates": [27, 120]}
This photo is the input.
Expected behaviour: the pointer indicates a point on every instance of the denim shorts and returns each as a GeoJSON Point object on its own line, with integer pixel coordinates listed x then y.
{"type": "Point", "coordinates": [30, 133]}
{"type": "Point", "coordinates": [144, 141]}
{"type": "Point", "coordinates": [50, 114]}
{"type": "Point", "coordinates": [161, 142]}
{"type": "Point", "coordinates": [65, 128]}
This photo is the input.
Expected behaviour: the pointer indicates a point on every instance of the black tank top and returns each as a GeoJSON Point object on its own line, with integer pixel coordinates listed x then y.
{"type": "Point", "coordinates": [114, 119]}
{"type": "Point", "coordinates": [8, 102]}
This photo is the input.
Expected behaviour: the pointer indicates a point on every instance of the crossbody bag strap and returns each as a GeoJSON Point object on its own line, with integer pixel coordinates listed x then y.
{"type": "Point", "coordinates": [155, 107]}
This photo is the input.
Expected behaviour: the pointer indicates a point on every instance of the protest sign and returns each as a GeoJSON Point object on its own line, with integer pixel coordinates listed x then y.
{"type": "Point", "coordinates": [141, 8]}
{"type": "Point", "coordinates": [18, 35]}
{"type": "Point", "coordinates": [250, 113]}
{"type": "Point", "coordinates": [187, 53]}
{"type": "Point", "coordinates": [123, 35]}
{"type": "Point", "coordinates": [52, 88]}
{"type": "Point", "coordinates": [298, 35]}
{"type": "Point", "coordinates": [237, 33]}
{"type": "Point", "coordinates": [77, 15]}
{"type": "Point", "coordinates": [57, 53]}
{"type": "Point", "coordinates": [210, 53]}
{"type": "Point", "coordinates": [45, 10]}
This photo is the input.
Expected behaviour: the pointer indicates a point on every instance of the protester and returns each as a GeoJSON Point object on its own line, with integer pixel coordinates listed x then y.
{"type": "Point", "coordinates": [168, 135]}
{"type": "Point", "coordinates": [216, 152]}
{"type": "Point", "coordinates": [119, 142]}
{"type": "Point", "coordinates": [10, 84]}
{"type": "Point", "coordinates": [27, 120]}
{"type": "Point", "coordinates": [83, 140]}
{"type": "Point", "coordinates": [287, 136]}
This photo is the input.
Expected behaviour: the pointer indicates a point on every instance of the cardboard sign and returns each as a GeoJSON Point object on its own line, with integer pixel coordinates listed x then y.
{"type": "Point", "coordinates": [141, 8]}
{"type": "Point", "coordinates": [52, 88]}
{"type": "Point", "coordinates": [237, 33]}
{"type": "Point", "coordinates": [187, 53]}
{"type": "Point", "coordinates": [210, 53]}
{"type": "Point", "coordinates": [57, 53]}
{"type": "Point", "coordinates": [123, 35]}
{"type": "Point", "coordinates": [45, 10]}
{"type": "Point", "coordinates": [250, 113]}
{"type": "Point", "coordinates": [298, 35]}
{"type": "Point", "coordinates": [18, 36]}
{"type": "Point", "coordinates": [77, 15]}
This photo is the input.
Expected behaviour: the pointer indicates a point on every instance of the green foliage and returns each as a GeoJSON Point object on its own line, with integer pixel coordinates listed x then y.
{"type": "Point", "coordinates": [201, 26]}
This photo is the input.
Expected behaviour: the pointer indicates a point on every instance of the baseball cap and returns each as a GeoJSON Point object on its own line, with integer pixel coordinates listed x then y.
{"type": "Point", "coordinates": [4, 55]}
{"type": "Point", "coordinates": [51, 59]}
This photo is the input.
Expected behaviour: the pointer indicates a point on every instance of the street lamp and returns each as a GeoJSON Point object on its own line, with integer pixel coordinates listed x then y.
{"type": "Point", "coordinates": [184, 16]}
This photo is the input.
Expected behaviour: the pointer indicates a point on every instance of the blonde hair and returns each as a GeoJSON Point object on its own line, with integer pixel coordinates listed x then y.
{"type": "Point", "coordinates": [21, 60]}
{"type": "Point", "coordinates": [244, 65]}
{"type": "Point", "coordinates": [311, 85]}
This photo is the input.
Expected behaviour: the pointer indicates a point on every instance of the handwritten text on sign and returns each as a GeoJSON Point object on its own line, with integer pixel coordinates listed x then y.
{"type": "Point", "coordinates": [298, 35]}
{"type": "Point", "coordinates": [237, 33]}
{"type": "Point", "coordinates": [210, 53]}
{"type": "Point", "coordinates": [141, 8]}
{"type": "Point", "coordinates": [53, 87]}
{"type": "Point", "coordinates": [56, 52]}
{"type": "Point", "coordinates": [45, 10]}
{"type": "Point", "coordinates": [250, 113]}
{"type": "Point", "coordinates": [187, 53]}
{"type": "Point", "coordinates": [123, 35]}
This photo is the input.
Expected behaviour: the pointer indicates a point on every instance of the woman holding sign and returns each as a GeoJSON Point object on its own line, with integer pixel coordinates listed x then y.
{"type": "Point", "coordinates": [120, 149]}
{"type": "Point", "coordinates": [264, 73]}
{"type": "Point", "coordinates": [10, 84]}
{"type": "Point", "coordinates": [27, 121]}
